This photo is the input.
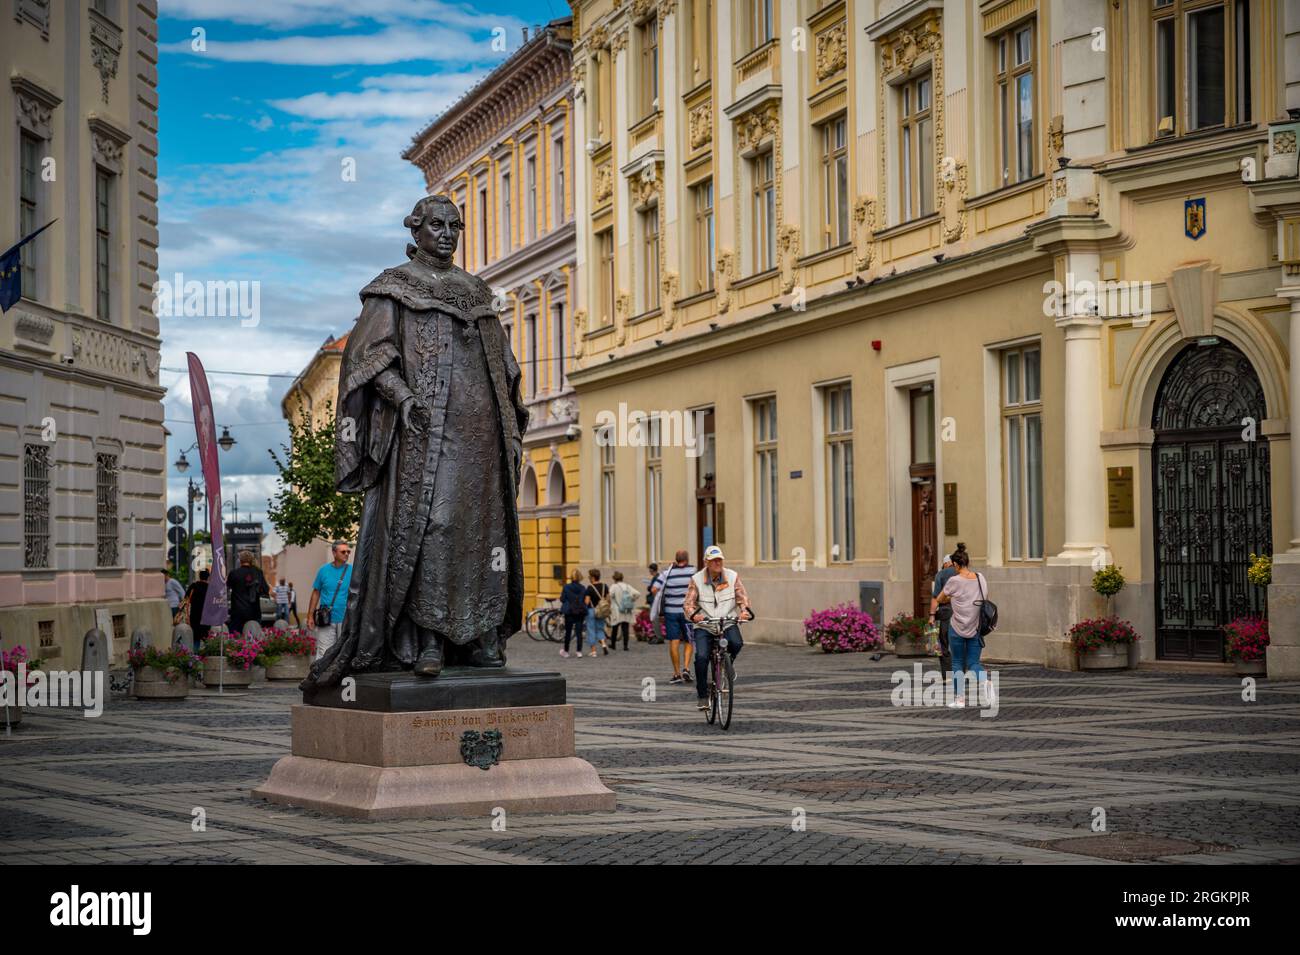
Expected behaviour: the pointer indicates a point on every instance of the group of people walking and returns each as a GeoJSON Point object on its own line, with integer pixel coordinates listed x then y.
{"type": "Point", "coordinates": [599, 611]}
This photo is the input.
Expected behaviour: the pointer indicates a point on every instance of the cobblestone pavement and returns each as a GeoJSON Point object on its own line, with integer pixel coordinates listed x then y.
{"type": "Point", "coordinates": [1184, 770]}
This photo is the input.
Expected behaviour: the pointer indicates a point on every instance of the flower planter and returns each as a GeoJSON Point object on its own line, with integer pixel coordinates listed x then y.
{"type": "Point", "coordinates": [291, 666]}
{"type": "Point", "coordinates": [1250, 667]}
{"type": "Point", "coordinates": [259, 674]}
{"type": "Point", "coordinates": [909, 647]}
{"type": "Point", "coordinates": [151, 683]}
{"type": "Point", "coordinates": [213, 674]}
{"type": "Point", "coordinates": [1109, 657]}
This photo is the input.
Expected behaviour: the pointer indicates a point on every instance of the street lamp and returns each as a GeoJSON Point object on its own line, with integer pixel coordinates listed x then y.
{"type": "Point", "coordinates": [226, 441]}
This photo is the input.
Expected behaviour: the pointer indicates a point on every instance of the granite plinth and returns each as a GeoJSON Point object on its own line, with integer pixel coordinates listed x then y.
{"type": "Point", "coordinates": [456, 688]}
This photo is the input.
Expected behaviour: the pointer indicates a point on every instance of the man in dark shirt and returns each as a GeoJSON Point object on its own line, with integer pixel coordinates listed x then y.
{"type": "Point", "coordinates": [196, 595]}
{"type": "Point", "coordinates": [246, 587]}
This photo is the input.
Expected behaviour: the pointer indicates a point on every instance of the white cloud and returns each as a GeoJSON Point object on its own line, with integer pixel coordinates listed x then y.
{"type": "Point", "coordinates": [392, 45]}
{"type": "Point", "coordinates": [291, 14]}
{"type": "Point", "coordinates": [397, 95]}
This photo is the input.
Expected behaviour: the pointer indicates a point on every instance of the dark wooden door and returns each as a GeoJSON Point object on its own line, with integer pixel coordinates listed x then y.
{"type": "Point", "coordinates": [925, 537]}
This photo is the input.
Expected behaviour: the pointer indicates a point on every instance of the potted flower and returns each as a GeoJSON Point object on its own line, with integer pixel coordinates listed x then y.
{"type": "Point", "coordinates": [1247, 639]}
{"type": "Point", "coordinates": [1260, 571]}
{"type": "Point", "coordinates": [228, 660]}
{"type": "Point", "coordinates": [1108, 582]}
{"type": "Point", "coordinates": [641, 626]}
{"type": "Point", "coordinates": [162, 673]}
{"type": "Point", "coordinates": [909, 635]}
{"type": "Point", "coordinates": [287, 654]}
{"type": "Point", "coordinates": [1102, 643]}
{"type": "Point", "coordinates": [12, 713]}
{"type": "Point", "coordinates": [842, 629]}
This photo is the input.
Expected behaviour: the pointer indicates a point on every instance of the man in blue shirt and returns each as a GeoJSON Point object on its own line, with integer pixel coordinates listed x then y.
{"type": "Point", "coordinates": [330, 590]}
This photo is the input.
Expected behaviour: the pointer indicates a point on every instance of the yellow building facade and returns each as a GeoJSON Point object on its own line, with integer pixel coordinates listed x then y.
{"type": "Point", "coordinates": [859, 280]}
{"type": "Point", "coordinates": [505, 154]}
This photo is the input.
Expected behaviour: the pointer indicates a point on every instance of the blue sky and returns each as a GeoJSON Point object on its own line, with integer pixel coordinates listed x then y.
{"type": "Point", "coordinates": [255, 129]}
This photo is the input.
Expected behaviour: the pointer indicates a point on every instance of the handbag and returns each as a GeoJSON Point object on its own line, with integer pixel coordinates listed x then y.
{"type": "Point", "coordinates": [988, 613]}
{"type": "Point", "coordinates": [324, 612]}
{"type": "Point", "coordinates": [182, 614]}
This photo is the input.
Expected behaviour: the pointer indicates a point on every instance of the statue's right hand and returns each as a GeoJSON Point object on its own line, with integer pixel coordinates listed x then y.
{"type": "Point", "coordinates": [415, 416]}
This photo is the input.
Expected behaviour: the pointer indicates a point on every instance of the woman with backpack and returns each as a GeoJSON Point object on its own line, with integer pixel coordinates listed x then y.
{"type": "Point", "coordinates": [966, 591]}
{"type": "Point", "coordinates": [598, 611]}
{"type": "Point", "coordinates": [573, 603]}
{"type": "Point", "coordinates": [622, 598]}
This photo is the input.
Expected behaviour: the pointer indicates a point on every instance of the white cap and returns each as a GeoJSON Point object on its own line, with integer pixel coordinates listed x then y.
{"type": "Point", "coordinates": [713, 552]}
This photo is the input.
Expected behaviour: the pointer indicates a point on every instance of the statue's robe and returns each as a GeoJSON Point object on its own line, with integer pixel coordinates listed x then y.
{"type": "Point", "coordinates": [438, 545]}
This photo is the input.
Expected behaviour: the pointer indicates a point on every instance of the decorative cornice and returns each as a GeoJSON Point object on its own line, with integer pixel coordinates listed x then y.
{"type": "Point", "coordinates": [36, 106]}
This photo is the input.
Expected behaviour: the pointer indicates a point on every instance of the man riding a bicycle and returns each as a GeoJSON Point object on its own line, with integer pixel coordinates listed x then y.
{"type": "Point", "coordinates": [714, 593]}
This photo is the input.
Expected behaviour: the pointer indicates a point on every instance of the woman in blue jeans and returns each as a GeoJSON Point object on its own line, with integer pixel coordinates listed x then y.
{"type": "Point", "coordinates": [965, 590]}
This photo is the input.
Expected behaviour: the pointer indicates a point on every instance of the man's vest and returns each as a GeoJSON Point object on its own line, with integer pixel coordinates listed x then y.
{"type": "Point", "coordinates": [719, 601]}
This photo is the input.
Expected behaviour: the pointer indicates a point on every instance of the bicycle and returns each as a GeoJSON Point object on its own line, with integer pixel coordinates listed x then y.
{"type": "Point", "coordinates": [721, 698]}
{"type": "Point", "coordinates": [542, 622]}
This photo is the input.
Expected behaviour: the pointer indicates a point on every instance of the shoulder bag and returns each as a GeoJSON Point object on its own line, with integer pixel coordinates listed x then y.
{"type": "Point", "coordinates": [325, 611]}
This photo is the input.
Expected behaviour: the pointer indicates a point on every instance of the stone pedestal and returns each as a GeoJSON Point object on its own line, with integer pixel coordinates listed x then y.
{"type": "Point", "coordinates": [1283, 653]}
{"type": "Point", "coordinates": [408, 747]}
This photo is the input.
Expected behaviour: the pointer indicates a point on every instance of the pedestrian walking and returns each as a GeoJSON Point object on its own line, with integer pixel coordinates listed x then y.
{"type": "Point", "coordinates": [329, 597]}
{"type": "Point", "coordinates": [598, 611]}
{"type": "Point", "coordinates": [246, 587]}
{"type": "Point", "coordinates": [173, 591]}
{"type": "Point", "coordinates": [965, 591]}
{"type": "Point", "coordinates": [282, 601]}
{"type": "Point", "coordinates": [197, 594]}
{"type": "Point", "coordinates": [651, 588]}
{"type": "Point", "coordinates": [942, 612]}
{"type": "Point", "coordinates": [672, 583]}
{"type": "Point", "coordinates": [293, 606]}
{"type": "Point", "coordinates": [573, 604]}
{"type": "Point", "coordinates": [622, 599]}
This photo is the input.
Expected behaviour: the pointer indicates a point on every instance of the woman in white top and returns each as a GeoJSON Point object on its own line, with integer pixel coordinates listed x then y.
{"type": "Point", "coordinates": [621, 595]}
{"type": "Point", "coordinates": [965, 591]}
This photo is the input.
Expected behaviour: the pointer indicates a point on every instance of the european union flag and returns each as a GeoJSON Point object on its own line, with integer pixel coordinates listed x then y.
{"type": "Point", "coordinates": [11, 270]}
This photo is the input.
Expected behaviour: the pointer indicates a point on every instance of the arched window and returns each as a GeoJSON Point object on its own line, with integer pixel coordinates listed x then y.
{"type": "Point", "coordinates": [555, 484]}
{"type": "Point", "coordinates": [528, 489]}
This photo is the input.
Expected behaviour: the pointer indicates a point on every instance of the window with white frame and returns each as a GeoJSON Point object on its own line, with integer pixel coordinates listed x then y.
{"type": "Point", "coordinates": [605, 249]}
{"type": "Point", "coordinates": [649, 258]}
{"type": "Point", "coordinates": [765, 478]}
{"type": "Point", "coordinates": [1013, 83]}
{"type": "Point", "coordinates": [103, 242]}
{"type": "Point", "coordinates": [654, 488]}
{"type": "Point", "coordinates": [1201, 58]}
{"type": "Point", "coordinates": [835, 181]}
{"type": "Point", "coordinates": [460, 246]}
{"type": "Point", "coordinates": [763, 212]}
{"type": "Point", "coordinates": [1022, 451]}
{"type": "Point", "coordinates": [29, 209]}
{"type": "Point", "coordinates": [704, 257]}
{"type": "Point", "coordinates": [530, 355]}
{"type": "Point", "coordinates": [606, 439]}
{"type": "Point", "coordinates": [758, 22]}
{"type": "Point", "coordinates": [838, 417]}
{"type": "Point", "coordinates": [916, 147]}
{"type": "Point", "coordinates": [649, 34]}
{"type": "Point", "coordinates": [559, 348]}
{"type": "Point", "coordinates": [506, 220]}
{"type": "Point", "coordinates": [557, 181]}
{"type": "Point", "coordinates": [482, 226]}
{"type": "Point", "coordinates": [530, 184]}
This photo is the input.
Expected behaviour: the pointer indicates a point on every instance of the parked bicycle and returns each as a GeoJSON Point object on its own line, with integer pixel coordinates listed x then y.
{"type": "Point", "coordinates": [545, 622]}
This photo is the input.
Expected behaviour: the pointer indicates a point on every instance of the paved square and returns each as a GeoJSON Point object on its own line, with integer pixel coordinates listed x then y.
{"type": "Point", "coordinates": [1183, 768]}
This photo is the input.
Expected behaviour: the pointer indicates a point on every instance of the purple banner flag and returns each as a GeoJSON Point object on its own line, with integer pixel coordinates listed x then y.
{"type": "Point", "coordinates": [216, 608]}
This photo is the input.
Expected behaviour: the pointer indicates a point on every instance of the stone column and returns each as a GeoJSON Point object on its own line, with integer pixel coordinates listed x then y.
{"type": "Point", "coordinates": [1085, 497]}
{"type": "Point", "coordinates": [1283, 657]}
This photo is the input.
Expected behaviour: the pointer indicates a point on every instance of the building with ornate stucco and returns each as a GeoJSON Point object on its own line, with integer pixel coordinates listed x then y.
{"type": "Point", "coordinates": [82, 460]}
{"type": "Point", "coordinates": [1023, 274]}
{"type": "Point", "coordinates": [505, 152]}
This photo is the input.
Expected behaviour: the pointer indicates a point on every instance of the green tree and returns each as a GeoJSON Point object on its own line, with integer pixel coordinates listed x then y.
{"type": "Point", "coordinates": [307, 505]}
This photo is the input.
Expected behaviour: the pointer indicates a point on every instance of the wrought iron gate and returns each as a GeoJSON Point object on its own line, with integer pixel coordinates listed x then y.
{"type": "Point", "coordinates": [1210, 478]}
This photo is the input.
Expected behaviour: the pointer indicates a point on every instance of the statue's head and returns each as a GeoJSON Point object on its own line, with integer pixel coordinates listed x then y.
{"type": "Point", "coordinates": [435, 226]}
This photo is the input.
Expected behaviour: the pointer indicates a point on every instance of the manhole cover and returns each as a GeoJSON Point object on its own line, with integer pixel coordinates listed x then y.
{"type": "Point", "coordinates": [843, 785]}
{"type": "Point", "coordinates": [1125, 847]}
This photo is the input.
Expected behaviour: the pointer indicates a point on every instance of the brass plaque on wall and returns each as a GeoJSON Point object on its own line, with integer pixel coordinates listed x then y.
{"type": "Point", "coordinates": [950, 510]}
{"type": "Point", "coordinates": [1119, 496]}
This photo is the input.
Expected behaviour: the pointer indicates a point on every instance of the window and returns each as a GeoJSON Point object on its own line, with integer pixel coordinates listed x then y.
{"type": "Point", "coordinates": [1022, 458]}
{"type": "Point", "coordinates": [759, 22]}
{"type": "Point", "coordinates": [504, 239]}
{"type": "Point", "coordinates": [762, 170]}
{"type": "Point", "coordinates": [530, 355]}
{"type": "Point", "coordinates": [482, 227]}
{"type": "Point", "coordinates": [557, 188]}
{"type": "Point", "coordinates": [36, 505]}
{"type": "Point", "coordinates": [765, 477]}
{"type": "Point", "coordinates": [106, 510]}
{"type": "Point", "coordinates": [649, 66]}
{"type": "Point", "coordinates": [605, 243]}
{"type": "Point", "coordinates": [460, 246]}
{"type": "Point", "coordinates": [701, 42]}
{"type": "Point", "coordinates": [559, 332]}
{"type": "Point", "coordinates": [29, 210]}
{"type": "Point", "coordinates": [1201, 57]}
{"type": "Point", "coordinates": [530, 183]}
{"type": "Point", "coordinates": [1014, 91]}
{"type": "Point", "coordinates": [604, 68]}
{"type": "Point", "coordinates": [654, 488]}
{"type": "Point", "coordinates": [916, 141]}
{"type": "Point", "coordinates": [650, 258]}
{"type": "Point", "coordinates": [103, 242]}
{"type": "Point", "coordinates": [922, 400]}
{"type": "Point", "coordinates": [838, 411]}
{"type": "Point", "coordinates": [605, 437]}
{"type": "Point", "coordinates": [835, 182]}
{"type": "Point", "coordinates": [704, 261]}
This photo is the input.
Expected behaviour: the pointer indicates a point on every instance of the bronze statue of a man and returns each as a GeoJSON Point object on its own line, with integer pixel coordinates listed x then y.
{"type": "Point", "coordinates": [430, 428]}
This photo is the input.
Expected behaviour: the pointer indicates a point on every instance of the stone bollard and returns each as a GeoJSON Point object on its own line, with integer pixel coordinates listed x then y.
{"type": "Point", "coordinates": [252, 630]}
{"type": "Point", "coordinates": [141, 637]}
{"type": "Point", "coordinates": [183, 636]}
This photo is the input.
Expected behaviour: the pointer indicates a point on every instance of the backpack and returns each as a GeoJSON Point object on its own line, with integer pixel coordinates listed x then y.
{"type": "Point", "coordinates": [626, 601]}
{"type": "Point", "coordinates": [988, 612]}
{"type": "Point", "coordinates": [572, 601]}
{"type": "Point", "coordinates": [604, 608]}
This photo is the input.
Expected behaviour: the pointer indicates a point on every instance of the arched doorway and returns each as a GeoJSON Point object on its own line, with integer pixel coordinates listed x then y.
{"type": "Point", "coordinates": [1210, 476]}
